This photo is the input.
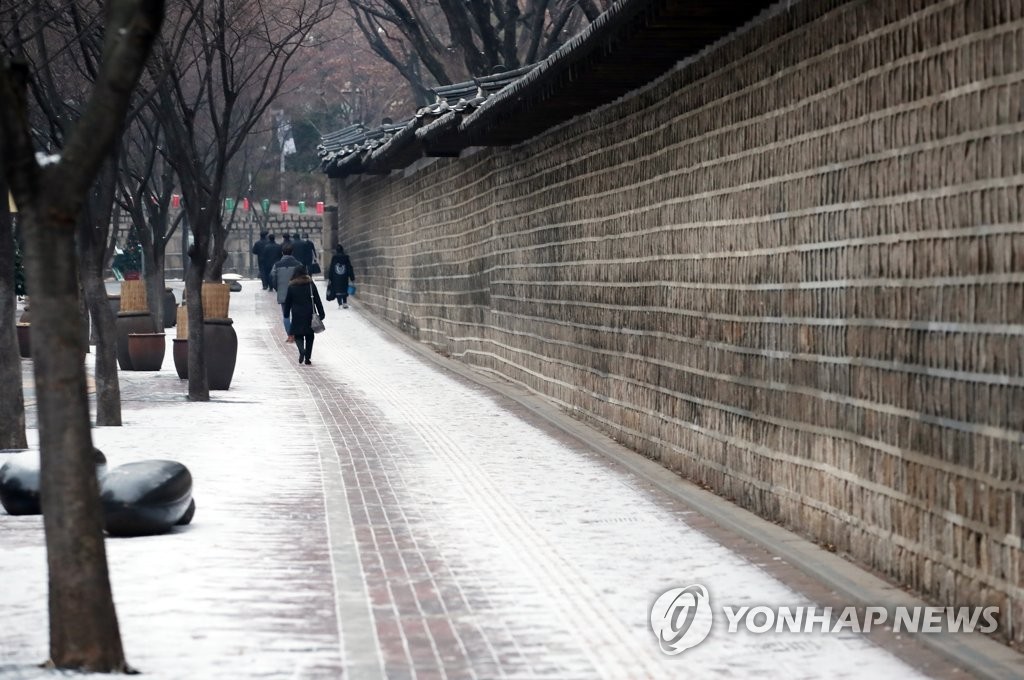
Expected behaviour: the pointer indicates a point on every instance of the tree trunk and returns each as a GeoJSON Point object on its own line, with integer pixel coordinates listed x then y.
{"type": "Point", "coordinates": [84, 633]}
{"type": "Point", "coordinates": [108, 385]}
{"type": "Point", "coordinates": [198, 386]}
{"type": "Point", "coordinates": [12, 406]}
{"type": "Point", "coordinates": [155, 288]}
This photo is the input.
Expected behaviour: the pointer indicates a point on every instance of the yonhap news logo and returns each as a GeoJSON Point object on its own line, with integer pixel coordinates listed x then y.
{"type": "Point", "coordinates": [681, 618]}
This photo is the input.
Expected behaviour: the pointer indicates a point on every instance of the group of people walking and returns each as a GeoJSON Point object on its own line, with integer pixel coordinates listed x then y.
{"type": "Point", "coordinates": [287, 269]}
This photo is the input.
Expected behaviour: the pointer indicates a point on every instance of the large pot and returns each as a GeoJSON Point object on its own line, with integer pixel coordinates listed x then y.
{"type": "Point", "coordinates": [146, 351]}
{"type": "Point", "coordinates": [170, 308]}
{"type": "Point", "coordinates": [130, 322]}
{"type": "Point", "coordinates": [24, 340]}
{"type": "Point", "coordinates": [220, 347]}
{"type": "Point", "coordinates": [179, 350]}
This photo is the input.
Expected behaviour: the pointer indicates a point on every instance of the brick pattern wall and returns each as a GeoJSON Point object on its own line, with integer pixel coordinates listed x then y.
{"type": "Point", "coordinates": [792, 270]}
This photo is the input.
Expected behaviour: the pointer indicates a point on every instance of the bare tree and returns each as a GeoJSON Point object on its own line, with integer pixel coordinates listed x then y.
{"type": "Point", "coordinates": [145, 188]}
{"type": "Point", "coordinates": [439, 42]}
{"type": "Point", "coordinates": [12, 406]}
{"type": "Point", "coordinates": [233, 61]}
{"type": "Point", "coordinates": [84, 632]}
{"type": "Point", "coordinates": [62, 45]}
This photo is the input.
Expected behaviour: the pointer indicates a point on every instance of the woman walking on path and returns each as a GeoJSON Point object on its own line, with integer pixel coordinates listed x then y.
{"type": "Point", "coordinates": [339, 274]}
{"type": "Point", "coordinates": [299, 303]}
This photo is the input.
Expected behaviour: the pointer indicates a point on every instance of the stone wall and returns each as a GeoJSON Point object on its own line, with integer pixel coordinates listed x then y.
{"type": "Point", "coordinates": [791, 270]}
{"type": "Point", "coordinates": [242, 236]}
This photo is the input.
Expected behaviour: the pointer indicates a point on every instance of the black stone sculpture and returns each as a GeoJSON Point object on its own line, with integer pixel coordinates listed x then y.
{"type": "Point", "coordinates": [145, 498]}
{"type": "Point", "coordinates": [19, 482]}
{"type": "Point", "coordinates": [139, 499]}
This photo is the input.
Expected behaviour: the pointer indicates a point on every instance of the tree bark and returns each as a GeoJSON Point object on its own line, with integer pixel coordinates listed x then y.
{"type": "Point", "coordinates": [12, 406]}
{"type": "Point", "coordinates": [94, 235]}
{"type": "Point", "coordinates": [198, 385]}
{"type": "Point", "coordinates": [84, 633]}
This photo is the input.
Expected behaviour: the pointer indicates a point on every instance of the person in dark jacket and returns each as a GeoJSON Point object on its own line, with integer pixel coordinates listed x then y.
{"type": "Point", "coordinates": [300, 303]}
{"type": "Point", "coordinates": [257, 248]}
{"type": "Point", "coordinates": [270, 254]}
{"type": "Point", "coordinates": [305, 251]}
{"type": "Point", "coordinates": [340, 274]}
{"type": "Point", "coordinates": [281, 272]}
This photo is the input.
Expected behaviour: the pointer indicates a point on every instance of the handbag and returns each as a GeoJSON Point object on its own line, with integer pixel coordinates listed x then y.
{"type": "Point", "coordinates": [314, 266]}
{"type": "Point", "coordinates": [330, 291]}
{"type": "Point", "coordinates": [316, 324]}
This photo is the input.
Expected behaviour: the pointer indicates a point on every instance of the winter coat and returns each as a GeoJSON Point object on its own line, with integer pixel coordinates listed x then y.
{"type": "Point", "coordinates": [281, 274]}
{"type": "Point", "coordinates": [258, 247]}
{"type": "Point", "coordinates": [270, 254]}
{"type": "Point", "coordinates": [340, 273]}
{"type": "Point", "coordinates": [299, 301]}
{"type": "Point", "coordinates": [303, 251]}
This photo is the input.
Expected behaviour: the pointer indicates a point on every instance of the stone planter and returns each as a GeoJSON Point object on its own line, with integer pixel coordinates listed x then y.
{"type": "Point", "coordinates": [24, 340]}
{"type": "Point", "coordinates": [146, 351]}
{"type": "Point", "coordinates": [130, 322]}
{"type": "Point", "coordinates": [220, 348]}
{"type": "Point", "coordinates": [179, 350]}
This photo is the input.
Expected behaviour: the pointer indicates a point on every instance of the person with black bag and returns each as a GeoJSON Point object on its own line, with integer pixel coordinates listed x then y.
{"type": "Point", "coordinates": [339, 274]}
{"type": "Point", "coordinates": [303, 307]}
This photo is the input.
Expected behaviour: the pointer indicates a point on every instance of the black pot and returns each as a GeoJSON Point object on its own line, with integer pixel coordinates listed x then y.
{"type": "Point", "coordinates": [179, 351]}
{"type": "Point", "coordinates": [170, 308]}
{"type": "Point", "coordinates": [220, 346]}
{"type": "Point", "coordinates": [25, 340]}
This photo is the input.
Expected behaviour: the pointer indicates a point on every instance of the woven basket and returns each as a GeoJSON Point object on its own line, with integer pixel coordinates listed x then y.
{"type": "Point", "coordinates": [216, 297]}
{"type": "Point", "coordinates": [133, 296]}
{"type": "Point", "coordinates": [182, 322]}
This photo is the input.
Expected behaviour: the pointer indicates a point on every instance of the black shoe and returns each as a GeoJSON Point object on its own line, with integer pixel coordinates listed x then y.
{"type": "Point", "coordinates": [300, 361]}
{"type": "Point", "coordinates": [308, 362]}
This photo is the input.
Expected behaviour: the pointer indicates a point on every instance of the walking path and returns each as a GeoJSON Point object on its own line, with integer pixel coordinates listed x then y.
{"type": "Point", "coordinates": [375, 515]}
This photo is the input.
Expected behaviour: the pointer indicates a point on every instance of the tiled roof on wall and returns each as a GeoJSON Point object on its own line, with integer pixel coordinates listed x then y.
{"type": "Point", "coordinates": [631, 44]}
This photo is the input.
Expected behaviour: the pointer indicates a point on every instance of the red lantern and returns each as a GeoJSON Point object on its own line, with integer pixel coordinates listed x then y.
{"type": "Point", "coordinates": [284, 206]}
{"type": "Point", "coordinates": [319, 207]}
{"type": "Point", "coordinates": [175, 201]}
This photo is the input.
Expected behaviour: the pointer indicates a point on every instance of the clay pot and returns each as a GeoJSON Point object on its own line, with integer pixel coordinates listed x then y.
{"type": "Point", "coordinates": [220, 346]}
{"type": "Point", "coordinates": [146, 351]}
{"type": "Point", "coordinates": [130, 322]}
{"type": "Point", "coordinates": [170, 308]}
{"type": "Point", "coordinates": [24, 340]}
{"type": "Point", "coordinates": [179, 350]}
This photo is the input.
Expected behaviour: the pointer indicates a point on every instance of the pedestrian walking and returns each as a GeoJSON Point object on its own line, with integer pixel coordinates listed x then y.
{"type": "Point", "coordinates": [281, 272]}
{"type": "Point", "coordinates": [257, 248]}
{"type": "Point", "coordinates": [301, 302]}
{"type": "Point", "coordinates": [270, 254]}
{"type": "Point", "coordinates": [339, 274]}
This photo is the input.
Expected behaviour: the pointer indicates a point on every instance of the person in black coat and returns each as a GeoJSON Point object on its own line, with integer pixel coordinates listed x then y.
{"type": "Point", "coordinates": [270, 254]}
{"type": "Point", "coordinates": [257, 248]}
{"type": "Point", "coordinates": [300, 303]}
{"type": "Point", "coordinates": [340, 274]}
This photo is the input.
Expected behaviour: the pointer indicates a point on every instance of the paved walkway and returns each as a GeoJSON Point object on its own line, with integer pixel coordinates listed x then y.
{"type": "Point", "coordinates": [374, 515]}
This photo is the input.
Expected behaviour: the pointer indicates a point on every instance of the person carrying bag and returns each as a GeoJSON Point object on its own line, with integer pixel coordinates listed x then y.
{"type": "Point", "coordinates": [303, 307]}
